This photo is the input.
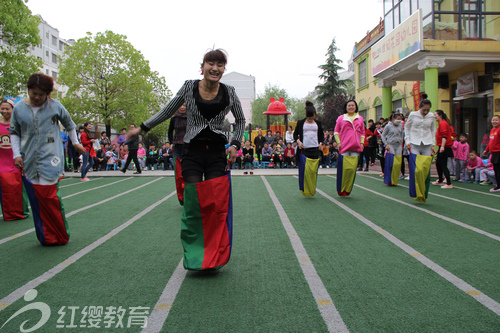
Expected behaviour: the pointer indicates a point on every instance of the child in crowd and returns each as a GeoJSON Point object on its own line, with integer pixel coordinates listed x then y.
{"type": "Point", "coordinates": [461, 152]}
{"type": "Point", "coordinates": [334, 154]}
{"type": "Point", "coordinates": [278, 155]}
{"type": "Point", "coordinates": [325, 161]}
{"type": "Point", "coordinates": [486, 173]}
{"type": "Point", "coordinates": [474, 163]}
{"type": "Point", "coordinates": [289, 155]}
{"type": "Point", "coordinates": [381, 154]}
{"type": "Point", "coordinates": [141, 155]}
{"type": "Point", "coordinates": [451, 160]}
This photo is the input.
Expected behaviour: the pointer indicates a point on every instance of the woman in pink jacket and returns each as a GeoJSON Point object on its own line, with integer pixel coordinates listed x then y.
{"type": "Point", "coordinates": [350, 135]}
{"type": "Point", "coordinates": [350, 131]}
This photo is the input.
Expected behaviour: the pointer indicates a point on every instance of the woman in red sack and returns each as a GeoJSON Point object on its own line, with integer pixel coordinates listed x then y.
{"type": "Point", "coordinates": [12, 196]}
{"type": "Point", "coordinates": [38, 151]}
{"type": "Point", "coordinates": [206, 228]}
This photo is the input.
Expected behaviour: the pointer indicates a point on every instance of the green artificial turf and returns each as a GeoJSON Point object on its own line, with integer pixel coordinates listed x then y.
{"type": "Point", "coordinates": [375, 285]}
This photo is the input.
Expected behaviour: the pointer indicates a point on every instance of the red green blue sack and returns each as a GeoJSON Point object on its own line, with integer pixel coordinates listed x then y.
{"type": "Point", "coordinates": [47, 208]}
{"type": "Point", "coordinates": [13, 197]}
{"type": "Point", "coordinates": [207, 223]}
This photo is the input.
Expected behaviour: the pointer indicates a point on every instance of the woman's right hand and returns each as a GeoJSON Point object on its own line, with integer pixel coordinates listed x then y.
{"type": "Point", "coordinates": [133, 133]}
{"type": "Point", "coordinates": [408, 146]}
{"type": "Point", "coordinates": [18, 162]}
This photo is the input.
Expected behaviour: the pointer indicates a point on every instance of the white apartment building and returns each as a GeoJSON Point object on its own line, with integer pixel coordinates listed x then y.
{"type": "Point", "coordinates": [51, 47]}
{"type": "Point", "coordinates": [245, 89]}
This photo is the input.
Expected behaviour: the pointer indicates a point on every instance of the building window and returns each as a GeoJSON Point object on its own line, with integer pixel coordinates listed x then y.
{"type": "Point", "coordinates": [397, 104]}
{"type": "Point", "coordinates": [363, 113]}
{"type": "Point", "coordinates": [362, 74]}
{"type": "Point", "coordinates": [54, 58]}
{"type": "Point", "coordinates": [60, 46]}
{"type": "Point", "coordinates": [54, 40]}
{"type": "Point", "coordinates": [54, 75]}
{"type": "Point", "coordinates": [378, 112]}
{"type": "Point", "coordinates": [47, 71]}
{"type": "Point", "coordinates": [47, 35]}
{"type": "Point", "coordinates": [46, 53]}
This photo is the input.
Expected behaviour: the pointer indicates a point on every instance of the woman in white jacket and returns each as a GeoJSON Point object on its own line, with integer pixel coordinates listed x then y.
{"type": "Point", "coordinates": [420, 129]}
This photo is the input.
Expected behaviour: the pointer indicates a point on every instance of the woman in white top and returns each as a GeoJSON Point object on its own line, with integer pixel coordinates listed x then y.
{"type": "Point", "coordinates": [309, 133]}
{"type": "Point", "coordinates": [289, 135]}
{"type": "Point", "coordinates": [420, 129]}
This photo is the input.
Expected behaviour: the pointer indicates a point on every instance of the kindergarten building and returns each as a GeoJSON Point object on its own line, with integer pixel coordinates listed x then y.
{"type": "Point", "coordinates": [450, 51]}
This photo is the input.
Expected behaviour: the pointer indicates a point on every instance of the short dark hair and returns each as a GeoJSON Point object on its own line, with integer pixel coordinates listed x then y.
{"type": "Point", "coordinates": [464, 135]}
{"type": "Point", "coordinates": [218, 55]}
{"type": "Point", "coordinates": [103, 132]}
{"type": "Point", "coordinates": [345, 105]}
{"type": "Point", "coordinates": [41, 81]}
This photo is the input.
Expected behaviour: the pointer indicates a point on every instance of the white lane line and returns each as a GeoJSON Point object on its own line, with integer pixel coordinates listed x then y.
{"type": "Point", "coordinates": [442, 217]}
{"type": "Point", "coordinates": [455, 280]}
{"type": "Point", "coordinates": [93, 179]}
{"type": "Point", "coordinates": [325, 304]}
{"type": "Point", "coordinates": [445, 197]}
{"type": "Point", "coordinates": [96, 188]}
{"type": "Point", "coordinates": [4, 240]}
{"type": "Point", "coordinates": [162, 308]}
{"type": "Point", "coordinates": [18, 293]}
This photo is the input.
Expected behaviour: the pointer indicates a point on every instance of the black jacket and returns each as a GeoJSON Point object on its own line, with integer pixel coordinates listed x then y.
{"type": "Point", "coordinates": [298, 134]}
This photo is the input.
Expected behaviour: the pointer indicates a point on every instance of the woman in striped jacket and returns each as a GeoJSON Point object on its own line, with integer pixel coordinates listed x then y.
{"type": "Point", "coordinates": [208, 101]}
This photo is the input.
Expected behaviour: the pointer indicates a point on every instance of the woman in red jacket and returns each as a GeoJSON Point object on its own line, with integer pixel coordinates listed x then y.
{"type": "Point", "coordinates": [444, 142]}
{"type": "Point", "coordinates": [87, 142]}
{"type": "Point", "coordinates": [494, 148]}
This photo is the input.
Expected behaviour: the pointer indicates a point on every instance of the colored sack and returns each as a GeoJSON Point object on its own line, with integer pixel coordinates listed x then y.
{"type": "Point", "coordinates": [346, 173]}
{"type": "Point", "coordinates": [48, 213]}
{"type": "Point", "coordinates": [392, 169]}
{"type": "Point", "coordinates": [13, 197]}
{"type": "Point", "coordinates": [420, 176]}
{"type": "Point", "coordinates": [308, 175]}
{"type": "Point", "coordinates": [207, 223]}
{"type": "Point", "coordinates": [179, 180]}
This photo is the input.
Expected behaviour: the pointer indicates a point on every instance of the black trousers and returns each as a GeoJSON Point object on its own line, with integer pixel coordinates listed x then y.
{"type": "Point", "coordinates": [132, 155]}
{"type": "Point", "coordinates": [442, 165]}
{"type": "Point", "coordinates": [495, 159]}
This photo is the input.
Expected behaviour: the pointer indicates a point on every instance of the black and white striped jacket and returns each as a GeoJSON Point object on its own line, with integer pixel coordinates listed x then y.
{"type": "Point", "coordinates": [195, 120]}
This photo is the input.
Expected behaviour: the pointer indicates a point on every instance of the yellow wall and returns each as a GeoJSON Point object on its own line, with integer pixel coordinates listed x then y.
{"type": "Point", "coordinates": [368, 95]}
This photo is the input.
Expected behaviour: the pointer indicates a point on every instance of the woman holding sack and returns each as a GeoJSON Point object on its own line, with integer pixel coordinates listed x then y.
{"type": "Point", "coordinates": [392, 137]}
{"type": "Point", "coordinates": [38, 150]}
{"type": "Point", "coordinates": [420, 132]}
{"type": "Point", "coordinates": [308, 134]}
{"type": "Point", "coordinates": [350, 136]}
{"type": "Point", "coordinates": [12, 195]}
{"type": "Point", "coordinates": [205, 235]}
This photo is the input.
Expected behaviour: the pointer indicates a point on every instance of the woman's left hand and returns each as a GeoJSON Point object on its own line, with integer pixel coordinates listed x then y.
{"type": "Point", "coordinates": [79, 148]}
{"type": "Point", "coordinates": [441, 149]}
{"type": "Point", "coordinates": [232, 154]}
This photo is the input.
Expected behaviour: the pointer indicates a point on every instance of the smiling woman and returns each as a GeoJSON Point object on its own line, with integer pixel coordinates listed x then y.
{"type": "Point", "coordinates": [206, 233]}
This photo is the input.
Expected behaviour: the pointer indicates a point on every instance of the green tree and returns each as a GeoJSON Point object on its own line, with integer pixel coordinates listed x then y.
{"type": "Point", "coordinates": [262, 102]}
{"type": "Point", "coordinates": [19, 32]}
{"type": "Point", "coordinates": [333, 108]}
{"type": "Point", "coordinates": [331, 81]}
{"type": "Point", "coordinates": [110, 82]}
